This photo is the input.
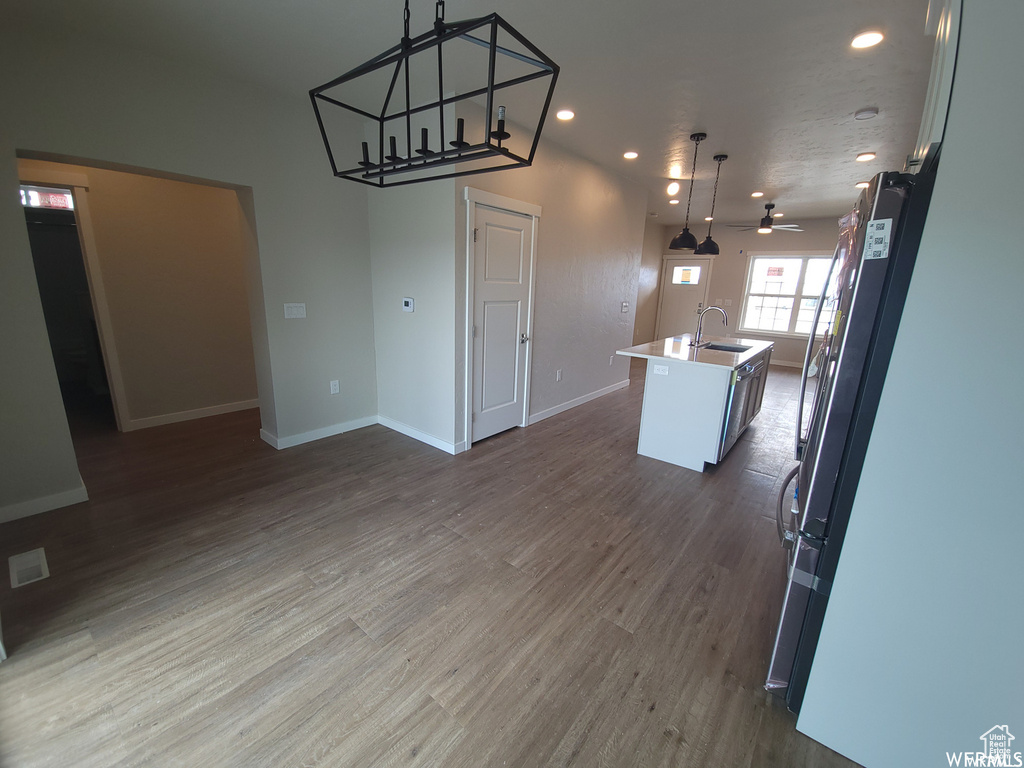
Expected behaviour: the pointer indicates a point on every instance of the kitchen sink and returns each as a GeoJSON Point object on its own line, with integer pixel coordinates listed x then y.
{"type": "Point", "coordinates": [724, 347]}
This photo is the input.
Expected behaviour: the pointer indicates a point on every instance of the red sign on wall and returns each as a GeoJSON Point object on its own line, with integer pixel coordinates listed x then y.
{"type": "Point", "coordinates": [775, 271]}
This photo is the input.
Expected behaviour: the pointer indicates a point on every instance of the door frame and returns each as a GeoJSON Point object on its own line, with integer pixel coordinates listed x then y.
{"type": "Point", "coordinates": [78, 183]}
{"type": "Point", "coordinates": [473, 198]}
{"type": "Point", "coordinates": [663, 278]}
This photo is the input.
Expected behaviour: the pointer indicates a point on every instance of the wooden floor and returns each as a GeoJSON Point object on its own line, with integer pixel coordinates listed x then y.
{"type": "Point", "coordinates": [548, 598]}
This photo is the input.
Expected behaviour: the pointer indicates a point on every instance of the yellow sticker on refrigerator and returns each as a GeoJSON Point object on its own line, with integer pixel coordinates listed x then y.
{"type": "Point", "coordinates": [876, 239]}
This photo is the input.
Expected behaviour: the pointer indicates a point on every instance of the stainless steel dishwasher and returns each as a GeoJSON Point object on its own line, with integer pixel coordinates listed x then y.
{"type": "Point", "coordinates": [738, 415]}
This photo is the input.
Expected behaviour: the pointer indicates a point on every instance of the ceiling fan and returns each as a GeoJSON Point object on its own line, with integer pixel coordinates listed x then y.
{"type": "Point", "coordinates": [767, 223]}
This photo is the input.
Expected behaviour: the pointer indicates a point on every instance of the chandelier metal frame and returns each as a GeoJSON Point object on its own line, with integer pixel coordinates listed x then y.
{"type": "Point", "coordinates": [389, 168]}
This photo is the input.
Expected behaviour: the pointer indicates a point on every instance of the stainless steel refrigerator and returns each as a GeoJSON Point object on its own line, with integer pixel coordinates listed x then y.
{"type": "Point", "coordinates": [844, 370]}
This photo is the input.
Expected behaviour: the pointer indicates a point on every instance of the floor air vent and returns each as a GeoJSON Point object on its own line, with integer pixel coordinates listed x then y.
{"type": "Point", "coordinates": [28, 567]}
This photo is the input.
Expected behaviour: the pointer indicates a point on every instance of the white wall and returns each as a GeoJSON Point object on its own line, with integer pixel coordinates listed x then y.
{"type": "Point", "coordinates": [651, 257]}
{"type": "Point", "coordinates": [729, 273]}
{"type": "Point", "coordinates": [412, 233]}
{"type": "Point", "coordinates": [85, 101]}
{"type": "Point", "coordinates": [922, 648]}
{"type": "Point", "coordinates": [589, 243]}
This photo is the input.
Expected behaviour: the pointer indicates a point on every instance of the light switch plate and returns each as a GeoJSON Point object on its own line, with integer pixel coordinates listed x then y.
{"type": "Point", "coordinates": [294, 311]}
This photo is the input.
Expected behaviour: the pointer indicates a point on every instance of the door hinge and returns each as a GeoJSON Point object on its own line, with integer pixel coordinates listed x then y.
{"type": "Point", "coordinates": [475, 231]}
{"type": "Point", "coordinates": [474, 331]}
{"type": "Point", "coordinates": [472, 417]}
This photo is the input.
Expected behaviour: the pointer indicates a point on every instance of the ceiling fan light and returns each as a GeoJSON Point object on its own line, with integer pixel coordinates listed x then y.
{"type": "Point", "coordinates": [684, 241]}
{"type": "Point", "coordinates": [708, 247]}
{"type": "Point", "coordinates": [763, 230]}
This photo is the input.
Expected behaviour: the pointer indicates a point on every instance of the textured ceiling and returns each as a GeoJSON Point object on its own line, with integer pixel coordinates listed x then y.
{"type": "Point", "coordinates": [773, 85]}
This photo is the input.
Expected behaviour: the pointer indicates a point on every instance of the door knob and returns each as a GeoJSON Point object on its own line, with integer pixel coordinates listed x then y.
{"type": "Point", "coordinates": [523, 338]}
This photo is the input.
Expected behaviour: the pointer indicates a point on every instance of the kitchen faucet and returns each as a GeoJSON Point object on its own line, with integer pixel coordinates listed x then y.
{"type": "Point", "coordinates": [700, 322]}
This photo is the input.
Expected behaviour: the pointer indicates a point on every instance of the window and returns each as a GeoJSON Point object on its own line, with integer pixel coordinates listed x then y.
{"type": "Point", "coordinates": [685, 275]}
{"type": "Point", "coordinates": [782, 294]}
{"type": "Point", "coordinates": [46, 197]}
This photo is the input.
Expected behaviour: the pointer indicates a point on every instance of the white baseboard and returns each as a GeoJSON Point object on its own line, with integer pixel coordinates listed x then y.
{"type": "Point", "coordinates": [316, 434]}
{"type": "Point", "coordinates": [577, 401]}
{"type": "Point", "coordinates": [196, 413]}
{"type": "Point", "coordinates": [423, 437]}
{"type": "Point", "coordinates": [44, 503]}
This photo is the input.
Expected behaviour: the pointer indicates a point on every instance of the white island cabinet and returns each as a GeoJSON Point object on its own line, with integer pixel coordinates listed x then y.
{"type": "Point", "coordinates": [698, 400]}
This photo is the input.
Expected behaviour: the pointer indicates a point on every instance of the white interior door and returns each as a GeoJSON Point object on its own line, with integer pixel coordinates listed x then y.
{"type": "Point", "coordinates": [502, 266]}
{"type": "Point", "coordinates": [684, 293]}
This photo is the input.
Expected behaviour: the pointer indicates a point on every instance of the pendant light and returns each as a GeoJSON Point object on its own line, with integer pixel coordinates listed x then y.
{"type": "Point", "coordinates": [685, 239]}
{"type": "Point", "coordinates": [709, 246]}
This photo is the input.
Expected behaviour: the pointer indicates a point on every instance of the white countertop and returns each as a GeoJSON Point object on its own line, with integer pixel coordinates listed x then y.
{"type": "Point", "coordinates": [677, 348]}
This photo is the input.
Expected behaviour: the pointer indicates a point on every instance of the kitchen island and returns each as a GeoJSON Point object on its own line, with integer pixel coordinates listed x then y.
{"type": "Point", "coordinates": [699, 400]}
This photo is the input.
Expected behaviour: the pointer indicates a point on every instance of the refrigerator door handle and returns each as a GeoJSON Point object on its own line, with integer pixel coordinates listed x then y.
{"type": "Point", "coordinates": [800, 442]}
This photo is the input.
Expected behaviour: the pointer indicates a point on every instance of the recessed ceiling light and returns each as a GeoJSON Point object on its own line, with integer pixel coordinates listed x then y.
{"type": "Point", "coordinates": [673, 188]}
{"type": "Point", "coordinates": [757, 194]}
{"type": "Point", "coordinates": [630, 155]}
{"type": "Point", "coordinates": [673, 201]}
{"type": "Point", "coordinates": [865, 114]}
{"type": "Point", "coordinates": [675, 172]}
{"type": "Point", "coordinates": [565, 114]}
{"type": "Point", "coordinates": [865, 157]}
{"type": "Point", "coordinates": [863, 184]}
{"type": "Point", "coordinates": [867, 39]}
{"type": "Point", "coordinates": [709, 218]}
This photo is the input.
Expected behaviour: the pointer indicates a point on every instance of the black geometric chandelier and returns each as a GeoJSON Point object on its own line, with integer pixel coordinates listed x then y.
{"type": "Point", "coordinates": [453, 101]}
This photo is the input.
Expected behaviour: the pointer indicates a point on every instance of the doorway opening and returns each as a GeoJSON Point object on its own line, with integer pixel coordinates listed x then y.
{"type": "Point", "coordinates": [163, 271]}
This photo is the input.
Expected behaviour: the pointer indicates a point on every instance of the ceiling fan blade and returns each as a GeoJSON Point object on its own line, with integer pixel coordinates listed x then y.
{"type": "Point", "coordinates": [787, 227]}
{"type": "Point", "coordinates": [740, 227]}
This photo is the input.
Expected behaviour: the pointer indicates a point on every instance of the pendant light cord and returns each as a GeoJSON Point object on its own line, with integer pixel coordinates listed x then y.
{"type": "Point", "coordinates": [406, 16]}
{"type": "Point", "coordinates": [693, 172]}
{"type": "Point", "coordinates": [714, 196]}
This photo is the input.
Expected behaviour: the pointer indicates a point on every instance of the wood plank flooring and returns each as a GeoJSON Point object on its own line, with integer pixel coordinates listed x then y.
{"type": "Point", "coordinates": [548, 598]}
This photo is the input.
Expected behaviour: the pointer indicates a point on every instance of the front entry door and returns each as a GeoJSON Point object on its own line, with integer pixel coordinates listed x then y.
{"type": "Point", "coordinates": [684, 293]}
{"type": "Point", "coordinates": [502, 264]}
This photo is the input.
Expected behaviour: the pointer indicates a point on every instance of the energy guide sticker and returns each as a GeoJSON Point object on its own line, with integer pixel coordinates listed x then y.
{"type": "Point", "coordinates": [876, 240]}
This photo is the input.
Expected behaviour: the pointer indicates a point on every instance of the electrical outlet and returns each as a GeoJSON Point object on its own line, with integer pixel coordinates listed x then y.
{"type": "Point", "coordinates": [335, 387]}
{"type": "Point", "coordinates": [611, 359]}
{"type": "Point", "coordinates": [558, 375]}
{"type": "Point", "coordinates": [727, 302]}
{"type": "Point", "coordinates": [625, 306]}
{"type": "Point", "coordinates": [661, 370]}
